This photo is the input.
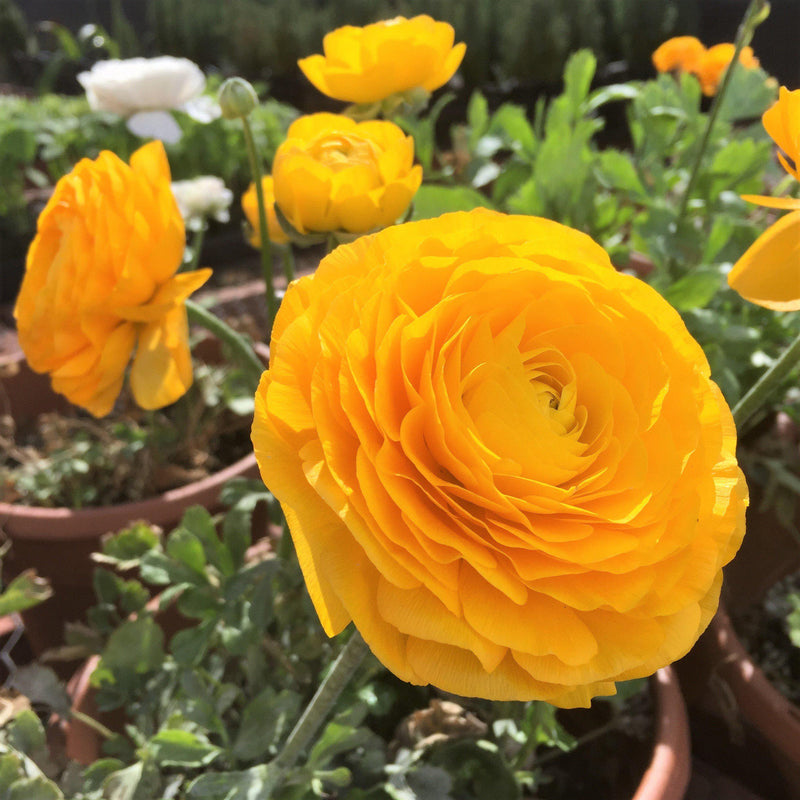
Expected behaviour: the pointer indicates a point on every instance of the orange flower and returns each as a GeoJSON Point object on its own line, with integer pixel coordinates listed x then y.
{"type": "Point", "coordinates": [250, 208]}
{"type": "Point", "coordinates": [714, 62]}
{"type": "Point", "coordinates": [100, 285]}
{"type": "Point", "coordinates": [680, 52]}
{"type": "Point", "coordinates": [768, 274]}
{"type": "Point", "coordinates": [365, 65]}
{"type": "Point", "coordinates": [503, 460]}
{"type": "Point", "coordinates": [334, 174]}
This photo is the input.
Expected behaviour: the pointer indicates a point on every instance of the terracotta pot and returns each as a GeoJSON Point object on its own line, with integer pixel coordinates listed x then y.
{"type": "Point", "coordinates": [58, 542]}
{"type": "Point", "coordinates": [722, 681]}
{"type": "Point", "coordinates": [666, 777]}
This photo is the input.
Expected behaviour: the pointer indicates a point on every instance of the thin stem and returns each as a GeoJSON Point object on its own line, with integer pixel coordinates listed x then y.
{"type": "Point", "coordinates": [197, 245]}
{"type": "Point", "coordinates": [766, 384]}
{"type": "Point", "coordinates": [316, 711]}
{"type": "Point", "coordinates": [241, 348]}
{"type": "Point", "coordinates": [257, 172]}
{"type": "Point", "coordinates": [92, 723]}
{"type": "Point", "coordinates": [288, 262]}
{"type": "Point", "coordinates": [752, 18]}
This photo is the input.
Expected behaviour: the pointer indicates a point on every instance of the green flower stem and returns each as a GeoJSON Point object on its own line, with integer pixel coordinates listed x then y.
{"type": "Point", "coordinates": [92, 723]}
{"type": "Point", "coordinates": [766, 384]}
{"type": "Point", "coordinates": [317, 710]}
{"type": "Point", "coordinates": [241, 348]}
{"type": "Point", "coordinates": [753, 17]}
{"type": "Point", "coordinates": [257, 172]}
{"type": "Point", "coordinates": [197, 245]}
{"type": "Point", "coordinates": [288, 262]}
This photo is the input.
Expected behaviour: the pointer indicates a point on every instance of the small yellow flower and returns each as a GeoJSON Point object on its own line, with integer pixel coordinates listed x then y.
{"type": "Point", "coordinates": [334, 174]}
{"type": "Point", "coordinates": [504, 461]}
{"type": "Point", "coordinates": [250, 208]}
{"type": "Point", "coordinates": [782, 123]}
{"type": "Point", "coordinates": [100, 285]}
{"type": "Point", "coordinates": [680, 52]}
{"type": "Point", "coordinates": [712, 65]}
{"type": "Point", "coordinates": [768, 274]}
{"type": "Point", "coordinates": [365, 65]}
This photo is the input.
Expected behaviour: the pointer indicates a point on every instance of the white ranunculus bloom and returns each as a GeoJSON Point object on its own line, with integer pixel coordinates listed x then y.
{"type": "Point", "coordinates": [144, 89]}
{"type": "Point", "coordinates": [202, 197]}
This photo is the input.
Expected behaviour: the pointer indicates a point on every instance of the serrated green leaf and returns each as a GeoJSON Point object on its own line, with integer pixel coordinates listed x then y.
{"type": "Point", "coordinates": [25, 733]}
{"type": "Point", "coordinates": [137, 646]}
{"type": "Point", "coordinates": [477, 117]}
{"type": "Point", "coordinates": [188, 647]}
{"type": "Point", "coordinates": [178, 748]}
{"type": "Point", "coordinates": [41, 685]}
{"type": "Point", "coordinates": [265, 721]}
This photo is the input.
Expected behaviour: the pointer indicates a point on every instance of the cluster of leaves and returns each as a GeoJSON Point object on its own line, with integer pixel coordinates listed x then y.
{"type": "Point", "coordinates": [75, 460]}
{"type": "Point", "coordinates": [213, 674]}
{"type": "Point", "coordinates": [42, 138]}
{"type": "Point", "coordinates": [552, 165]}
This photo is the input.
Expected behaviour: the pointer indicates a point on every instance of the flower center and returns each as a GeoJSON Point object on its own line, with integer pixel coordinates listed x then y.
{"type": "Point", "coordinates": [339, 151]}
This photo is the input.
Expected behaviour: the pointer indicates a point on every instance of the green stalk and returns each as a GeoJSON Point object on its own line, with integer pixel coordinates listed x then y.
{"type": "Point", "coordinates": [92, 723]}
{"type": "Point", "coordinates": [316, 711]}
{"type": "Point", "coordinates": [197, 245]}
{"type": "Point", "coordinates": [288, 262]}
{"type": "Point", "coordinates": [239, 345]}
{"type": "Point", "coordinates": [756, 13]}
{"type": "Point", "coordinates": [766, 384]}
{"type": "Point", "coordinates": [257, 171]}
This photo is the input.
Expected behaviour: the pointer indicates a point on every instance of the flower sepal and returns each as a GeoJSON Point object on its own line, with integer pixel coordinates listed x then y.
{"type": "Point", "coordinates": [295, 237]}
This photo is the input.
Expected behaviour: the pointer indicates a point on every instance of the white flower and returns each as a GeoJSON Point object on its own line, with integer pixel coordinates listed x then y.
{"type": "Point", "coordinates": [202, 197]}
{"type": "Point", "coordinates": [144, 89]}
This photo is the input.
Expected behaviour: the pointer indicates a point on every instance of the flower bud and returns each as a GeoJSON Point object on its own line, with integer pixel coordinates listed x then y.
{"type": "Point", "coordinates": [237, 98]}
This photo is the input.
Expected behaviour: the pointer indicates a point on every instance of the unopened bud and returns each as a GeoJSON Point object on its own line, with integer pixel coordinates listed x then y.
{"type": "Point", "coordinates": [237, 98]}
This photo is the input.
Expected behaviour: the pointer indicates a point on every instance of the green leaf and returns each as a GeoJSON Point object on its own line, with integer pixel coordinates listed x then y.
{"type": "Point", "coordinates": [41, 685]}
{"type": "Point", "coordinates": [123, 784]}
{"type": "Point", "coordinates": [24, 591]}
{"type": "Point", "coordinates": [96, 773]}
{"type": "Point", "coordinates": [610, 94]}
{"type": "Point", "coordinates": [177, 748]}
{"type": "Point", "coordinates": [694, 290]}
{"type": "Point", "coordinates": [25, 733]}
{"type": "Point", "coordinates": [186, 548]}
{"type": "Point", "coordinates": [106, 586]}
{"type": "Point", "coordinates": [39, 788]}
{"type": "Point", "coordinates": [750, 93]}
{"type": "Point", "coordinates": [616, 171]}
{"type": "Point", "coordinates": [127, 547]}
{"type": "Point", "coordinates": [265, 722]}
{"type": "Point", "coordinates": [477, 117]}
{"type": "Point", "coordinates": [511, 123]}
{"type": "Point", "coordinates": [10, 771]}
{"type": "Point", "coordinates": [188, 647]}
{"type": "Point", "coordinates": [578, 74]}
{"type": "Point", "coordinates": [200, 523]}
{"type": "Point", "coordinates": [246, 785]}
{"type": "Point", "coordinates": [432, 201]}
{"type": "Point", "coordinates": [336, 739]}
{"type": "Point", "coordinates": [137, 646]}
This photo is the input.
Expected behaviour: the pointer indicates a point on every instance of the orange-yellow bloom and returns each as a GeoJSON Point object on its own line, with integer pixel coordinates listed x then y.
{"type": "Point", "coordinates": [768, 274]}
{"type": "Point", "coordinates": [365, 65]}
{"type": "Point", "coordinates": [334, 174]}
{"type": "Point", "coordinates": [250, 208]}
{"type": "Point", "coordinates": [712, 65]}
{"type": "Point", "coordinates": [680, 52]}
{"type": "Point", "coordinates": [782, 123]}
{"type": "Point", "coordinates": [503, 460]}
{"type": "Point", "coordinates": [100, 285]}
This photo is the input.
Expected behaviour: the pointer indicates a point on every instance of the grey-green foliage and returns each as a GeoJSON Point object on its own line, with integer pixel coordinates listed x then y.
{"type": "Point", "coordinates": [525, 40]}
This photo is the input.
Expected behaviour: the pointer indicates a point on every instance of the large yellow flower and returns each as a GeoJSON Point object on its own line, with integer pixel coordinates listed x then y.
{"type": "Point", "coordinates": [365, 65]}
{"type": "Point", "coordinates": [100, 285]}
{"type": "Point", "coordinates": [250, 208]}
{"type": "Point", "coordinates": [768, 274]}
{"type": "Point", "coordinates": [334, 174]}
{"type": "Point", "coordinates": [503, 460]}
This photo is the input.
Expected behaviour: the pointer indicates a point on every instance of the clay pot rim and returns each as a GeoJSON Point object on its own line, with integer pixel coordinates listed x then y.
{"type": "Point", "coordinates": [151, 508]}
{"type": "Point", "coordinates": [769, 711]}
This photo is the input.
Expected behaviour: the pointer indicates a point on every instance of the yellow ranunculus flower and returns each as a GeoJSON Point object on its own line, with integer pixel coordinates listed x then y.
{"type": "Point", "coordinates": [768, 274]}
{"type": "Point", "coordinates": [334, 174]}
{"type": "Point", "coordinates": [782, 122]}
{"type": "Point", "coordinates": [365, 65]}
{"type": "Point", "coordinates": [100, 285]}
{"type": "Point", "coordinates": [503, 460]}
{"type": "Point", "coordinates": [250, 208]}
{"type": "Point", "coordinates": [680, 52]}
{"type": "Point", "coordinates": [712, 65]}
